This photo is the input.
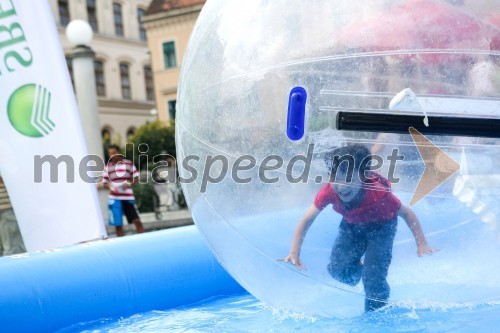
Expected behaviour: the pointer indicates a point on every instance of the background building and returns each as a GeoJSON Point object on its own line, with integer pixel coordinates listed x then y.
{"type": "Point", "coordinates": [169, 24]}
{"type": "Point", "coordinates": [123, 71]}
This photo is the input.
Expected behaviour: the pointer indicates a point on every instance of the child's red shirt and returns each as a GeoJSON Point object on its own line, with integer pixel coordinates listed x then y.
{"type": "Point", "coordinates": [378, 204]}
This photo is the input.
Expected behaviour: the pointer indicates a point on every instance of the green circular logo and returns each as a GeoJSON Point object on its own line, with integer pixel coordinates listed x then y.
{"type": "Point", "coordinates": [28, 111]}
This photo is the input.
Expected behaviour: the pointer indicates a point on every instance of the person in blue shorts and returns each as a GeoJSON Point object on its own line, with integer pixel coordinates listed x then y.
{"type": "Point", "coordinates": [119, 176]}
{"type": "Point", "coordinates": [369, 222]}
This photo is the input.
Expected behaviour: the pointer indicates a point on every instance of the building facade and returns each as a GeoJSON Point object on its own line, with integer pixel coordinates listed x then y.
{"type": "Point", "coordinates": [124, 78]}
{"type": "Point", "coordinates": [169, 24]}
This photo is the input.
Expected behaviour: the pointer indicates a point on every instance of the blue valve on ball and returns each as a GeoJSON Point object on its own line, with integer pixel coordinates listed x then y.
{"type": "Point", "coordinates": [296, 113]}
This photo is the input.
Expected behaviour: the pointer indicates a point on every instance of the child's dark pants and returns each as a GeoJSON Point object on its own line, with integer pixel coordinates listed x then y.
{"type": "Point", "coordinates": [375, 241]}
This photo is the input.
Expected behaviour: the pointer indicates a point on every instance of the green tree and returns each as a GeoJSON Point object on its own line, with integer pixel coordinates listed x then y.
{"type": "Point", "coordinates": [159, 138]}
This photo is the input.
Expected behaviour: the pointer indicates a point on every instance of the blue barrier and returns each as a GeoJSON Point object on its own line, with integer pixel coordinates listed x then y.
{"type": "Point", "coordinates": [44, 292]}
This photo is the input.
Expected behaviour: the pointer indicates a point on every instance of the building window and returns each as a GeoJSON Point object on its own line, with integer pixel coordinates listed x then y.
{"type": "Point", "coordinates": [169, 55]}
{"type": "Point", "coordinates": [142, 31]}
{"type": "Point", "coordinates": [148, 77]}
{"type": "Point", "coordinates": [118, 18]}
{"type": "Point", "coordinates": [171, 109]}
{"type": "Point", "coordinates": [100, 83]}
{"type": "Point", "coordinates": [130, 132]}
{"type": "Point", "coordinates": [92, 14]}
{"type": "Point", "coordinates": [125, 81]}
{"type": "Point", "coordinates": [63, 12]}
{"type": "Point", "coordinates": [106, 134]}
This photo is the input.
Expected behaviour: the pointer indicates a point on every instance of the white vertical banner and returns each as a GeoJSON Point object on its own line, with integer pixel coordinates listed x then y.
{"type": "Point", "coordinates": [42, 147]}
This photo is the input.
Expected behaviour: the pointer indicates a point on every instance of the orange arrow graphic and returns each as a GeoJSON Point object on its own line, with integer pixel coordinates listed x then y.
{"type": "Point", "coordinates": [438, 166]}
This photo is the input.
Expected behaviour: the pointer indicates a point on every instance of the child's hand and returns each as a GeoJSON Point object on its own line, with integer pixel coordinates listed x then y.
{"type": "Point", "coordinates": [103, 185]}
{"type": "Point", "coordinates": [425, 249]}
{"type": "Point", "coordinates": [294, 259]}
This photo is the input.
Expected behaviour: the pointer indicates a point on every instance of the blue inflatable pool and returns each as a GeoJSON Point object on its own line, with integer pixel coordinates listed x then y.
{"type": "Point", "coordinates": [45, 292]}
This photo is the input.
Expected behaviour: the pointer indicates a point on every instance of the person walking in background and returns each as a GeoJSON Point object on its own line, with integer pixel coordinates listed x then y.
{"type": "Point", "coordinates": [11, 241]}
{"type": "Point", "coordinates": [119, 176]}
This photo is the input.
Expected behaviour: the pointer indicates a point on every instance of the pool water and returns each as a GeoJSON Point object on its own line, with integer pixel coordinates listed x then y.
{"type": "Point", "coordinates": [244, 313]}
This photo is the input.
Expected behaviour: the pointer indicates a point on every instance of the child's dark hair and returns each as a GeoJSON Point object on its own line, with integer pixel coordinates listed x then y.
{"type": "Point", "coordinates": [352, 158]}
{"type": "Point", "coordinates": [115, 147]}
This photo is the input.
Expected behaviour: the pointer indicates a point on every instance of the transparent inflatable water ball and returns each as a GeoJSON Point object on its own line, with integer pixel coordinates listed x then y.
{"type": "Point", "coordinates": [269, 89]}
